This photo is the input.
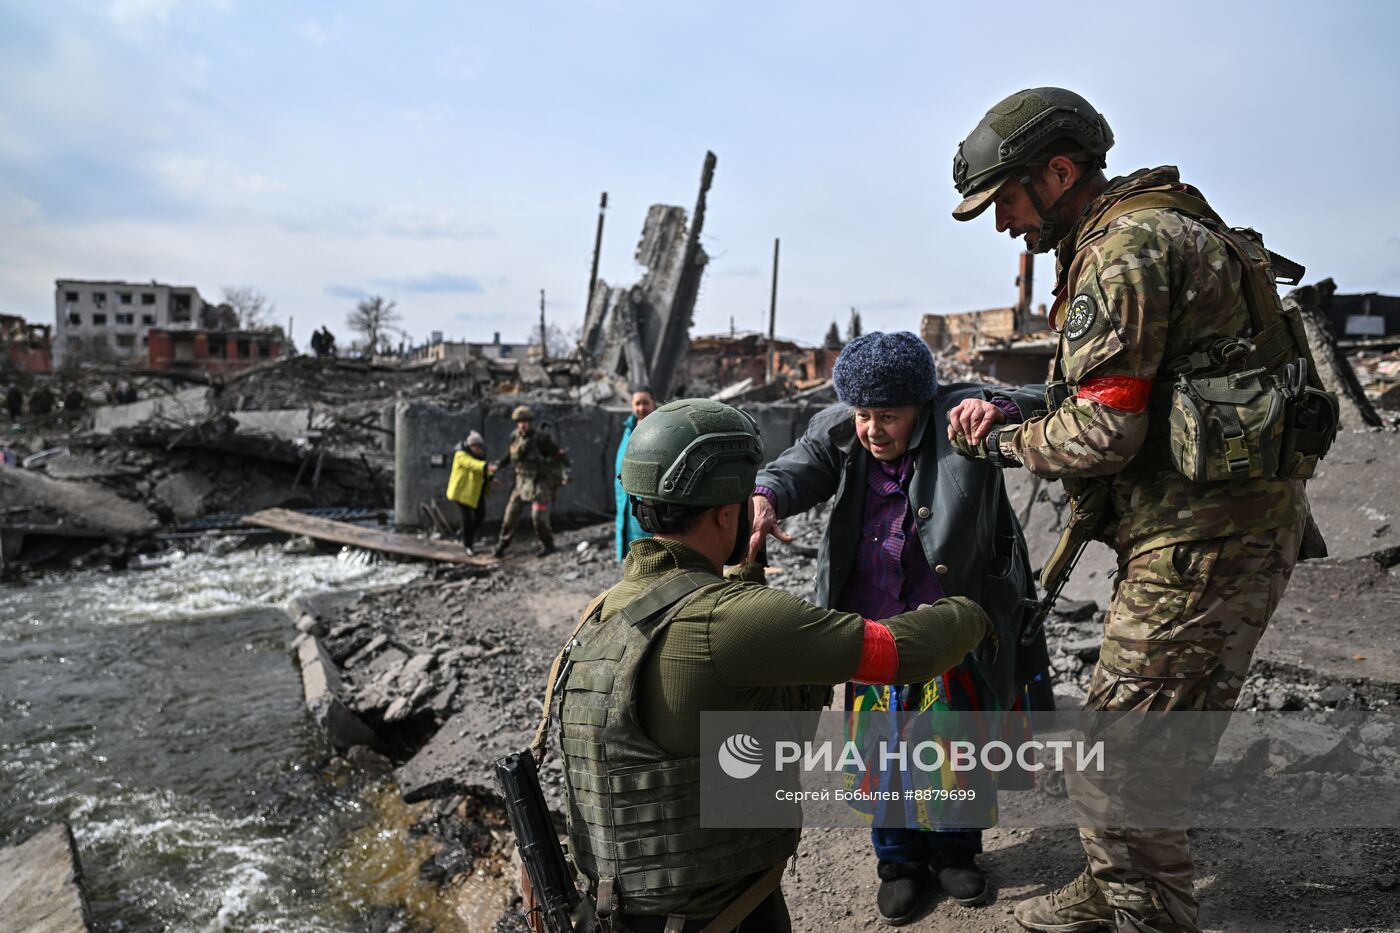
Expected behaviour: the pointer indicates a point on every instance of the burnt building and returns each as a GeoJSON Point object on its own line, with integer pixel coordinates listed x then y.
{"type": "Point", "coordinates": [24, 346]}
{"type": "Point", "coordinates": [212, 351]}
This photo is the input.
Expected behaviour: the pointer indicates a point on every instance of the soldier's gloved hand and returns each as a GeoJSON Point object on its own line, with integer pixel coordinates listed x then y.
{"type": "Point", "coordinates": [963, 445]}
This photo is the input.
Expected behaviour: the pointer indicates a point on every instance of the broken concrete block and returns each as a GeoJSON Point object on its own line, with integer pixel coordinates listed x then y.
{"type": "Point", "coordinates": [417, 665]}
{"type": "Point", "coordinates": [321, 684]}
{"type": "Point", "coordinates": [185, 494]}
{"type": "Point", "coordinates": [41, 884]}
{"type": "Point", "coordinates": [311, 625]}
{"type": "Point", "coordinates": [397, 711]}
{"type": "Point", "coordinates": [189, 407]}
{"type": "Point", "coordinates": [374, 644]}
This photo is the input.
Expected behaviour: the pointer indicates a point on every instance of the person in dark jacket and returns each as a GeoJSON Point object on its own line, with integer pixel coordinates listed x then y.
{"type": "Point", "coordinates": [912, 522]}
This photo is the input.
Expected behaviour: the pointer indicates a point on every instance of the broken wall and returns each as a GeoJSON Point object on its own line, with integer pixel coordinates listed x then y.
{"type": "Point", "coordinates": [589, 434]}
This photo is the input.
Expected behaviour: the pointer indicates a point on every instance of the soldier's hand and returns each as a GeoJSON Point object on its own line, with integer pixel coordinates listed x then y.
{"type": "Point", "coordinates": [973, 418]}
{"type": "Point", "coordinates": [765, 523]}
{"type": "Point", "coordinates": [969, 450]}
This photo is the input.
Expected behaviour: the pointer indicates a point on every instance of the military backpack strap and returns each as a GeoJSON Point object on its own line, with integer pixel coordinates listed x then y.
{"type": "Point", "coordinates": [670, 591]}
{"type": "Point", "coordinates": [542, 732]}
{"type": "Point", "coordinates": [746, 903]}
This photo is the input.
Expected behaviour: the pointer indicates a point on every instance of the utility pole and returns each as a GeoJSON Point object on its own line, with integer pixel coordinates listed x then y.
{"type": "Point", "coordinates": [773, 314]}
{"type": "Point", "coordinates": [544, 333]}
{"type": "Point", "coordinates": [597, 248]}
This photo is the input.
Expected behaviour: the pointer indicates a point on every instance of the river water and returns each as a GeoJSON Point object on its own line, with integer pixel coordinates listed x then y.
{"type": "Point", "coordinates": [157, 710]}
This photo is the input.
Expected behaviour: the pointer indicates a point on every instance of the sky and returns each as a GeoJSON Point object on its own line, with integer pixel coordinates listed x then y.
{"type": "Point", "coordinates": [450, 156]}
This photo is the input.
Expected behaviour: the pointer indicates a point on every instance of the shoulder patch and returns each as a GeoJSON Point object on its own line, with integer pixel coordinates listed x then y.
{"type": "Point", "coordinates": [1080, 316]}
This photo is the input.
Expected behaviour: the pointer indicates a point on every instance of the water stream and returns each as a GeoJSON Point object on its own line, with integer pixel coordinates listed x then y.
{"type": "Point", "coordinates": [158, 712]}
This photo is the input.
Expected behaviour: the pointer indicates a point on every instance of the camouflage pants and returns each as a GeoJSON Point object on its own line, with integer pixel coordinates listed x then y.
{"type": "Point", "coordinates": [1180, 633]}
{"type": "Point", "coordinates": [539, 515]}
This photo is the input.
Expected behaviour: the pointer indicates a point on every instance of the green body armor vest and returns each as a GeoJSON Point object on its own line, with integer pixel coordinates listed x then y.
{"type": "Point", "coordinates": [633, 810]}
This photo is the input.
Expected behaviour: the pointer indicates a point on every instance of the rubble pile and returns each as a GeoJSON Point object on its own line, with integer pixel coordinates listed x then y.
{"type": "Point", "coordinates": [1378, 372]}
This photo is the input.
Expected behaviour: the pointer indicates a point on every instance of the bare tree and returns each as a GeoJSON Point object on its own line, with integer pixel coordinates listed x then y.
{"type": "Point", "coordinates": [254, 309]}
{"type": "Point", "coordinates": [562, 343]}
{"type": "Point", "coordinates": [374, 319]}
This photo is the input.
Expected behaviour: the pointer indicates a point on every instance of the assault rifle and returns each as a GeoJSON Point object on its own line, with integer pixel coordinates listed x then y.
{"type": "Point", "coordinates": [551, 879]}
{"type": "Point", "coordinates": [1091, 508]}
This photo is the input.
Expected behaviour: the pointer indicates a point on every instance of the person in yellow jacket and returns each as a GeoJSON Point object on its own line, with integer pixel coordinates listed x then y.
{"type": "Point", "coordinates": [468, 484]}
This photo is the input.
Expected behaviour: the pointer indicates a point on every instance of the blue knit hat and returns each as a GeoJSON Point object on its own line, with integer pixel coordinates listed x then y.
{"type": "Point", "coordinates": [885, 370]}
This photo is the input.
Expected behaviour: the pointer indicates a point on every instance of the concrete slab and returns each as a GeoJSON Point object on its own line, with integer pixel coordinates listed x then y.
{"type": "Point", "coordinates": [188, 407]}
{"type": "Point", "coordinates": [287, 424]}
{"type": "Point", "coordinates": [320, 681]}
{"type": "Point", "coordinates": [34, 502]}
{"type": "Point", "coordinates": [41, 885]}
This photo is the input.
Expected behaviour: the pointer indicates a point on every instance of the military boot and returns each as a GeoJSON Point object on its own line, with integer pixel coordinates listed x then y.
{"type": "Point", "coordinates": [1078, 907]}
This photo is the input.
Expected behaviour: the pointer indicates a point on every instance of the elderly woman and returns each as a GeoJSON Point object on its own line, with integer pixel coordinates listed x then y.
{"type": "Point", "coordinates": [912, 522]}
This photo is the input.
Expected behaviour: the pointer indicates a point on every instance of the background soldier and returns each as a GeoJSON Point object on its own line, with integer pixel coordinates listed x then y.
{"type": "Point", "coordinates": [539, 471]}
{"type": "Point", "coordinates": [674, 639]}
{"type": "Point", "coordinates": [1151, 289]}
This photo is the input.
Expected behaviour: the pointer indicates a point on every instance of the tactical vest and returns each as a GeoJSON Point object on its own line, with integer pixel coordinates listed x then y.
{"type": "Point", "coordinates": [633, 811]}
{"type": "Point", "coordinates": [1235, 407]}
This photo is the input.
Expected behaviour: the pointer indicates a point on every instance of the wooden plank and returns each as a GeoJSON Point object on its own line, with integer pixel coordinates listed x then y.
{"type": "Point", "coordinates": [389, 542]}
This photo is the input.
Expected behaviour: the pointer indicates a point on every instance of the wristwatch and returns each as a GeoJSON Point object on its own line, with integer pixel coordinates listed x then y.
{"type": "Point", "coordinates": [995, 454]}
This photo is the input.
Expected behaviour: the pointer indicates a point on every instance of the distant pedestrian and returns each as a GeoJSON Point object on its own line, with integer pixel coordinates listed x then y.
{"type": "Point", "coordinates": [41, 401]}
{"type": "Point", "coordinates": [14, 401]}
{"type": "Point", "coordinates": [628, 528]}
{"type": "Point", "coordinates": [74, 400]}
{"type": "Point", "coordinates": [468, 484]}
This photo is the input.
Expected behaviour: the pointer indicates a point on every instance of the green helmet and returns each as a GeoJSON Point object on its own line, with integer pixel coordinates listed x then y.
{"type": "Point", "coordinates": [522, 413]}
{"type": "Point", "coordinates": [1015, 134]}
{"type": "Point", "coordinates": [694, 452]}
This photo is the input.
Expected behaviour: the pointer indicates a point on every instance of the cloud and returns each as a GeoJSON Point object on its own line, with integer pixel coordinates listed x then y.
{"type": "Point", "coordinates": [393, 220]}
{"type": "Point", "coordinates": [437, 283]}
{"type": "Point", "coordinates": [24, 211]}
{"type": "Point", "coordinates": [350, 292]}
{"type": "Point", "coordinates": [322, 34]}
{"type": "Point", "coordinates": [136, 12]}
{"type": "Point", "coordinates": [191, 175]}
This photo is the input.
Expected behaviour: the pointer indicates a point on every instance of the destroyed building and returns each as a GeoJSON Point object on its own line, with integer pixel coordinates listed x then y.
{"type": "Point", "coordinates": [1359, 317]}
{"type": "Point", "coordinates": [718, 361]}
{"type": "Point", "coordinates": [25, 347]}
{"type": "Point", "coordinates": [110, 320]}
{"type": "Point", "coordinates": [1012, 345]}
{"type": "Point", "coordinates": [212, 351]}
{"type": "Point", "coordinates": [640, 333]}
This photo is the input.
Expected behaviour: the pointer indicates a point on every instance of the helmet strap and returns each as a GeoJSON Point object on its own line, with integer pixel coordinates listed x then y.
{"type": "Point", "coordinates": [1052, 225]}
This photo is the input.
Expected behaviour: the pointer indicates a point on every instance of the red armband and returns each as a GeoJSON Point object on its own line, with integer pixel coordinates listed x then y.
{"type": "Point", "coordinates": [1121, 393]}
{"type": "Point", "coordinates": [879, 657]}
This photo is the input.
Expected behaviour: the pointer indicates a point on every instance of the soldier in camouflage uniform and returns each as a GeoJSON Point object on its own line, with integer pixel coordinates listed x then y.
{"type": "Point", "coordinates": [1142, 285]}
{"type": "Point", "coordinates": [540, 469]}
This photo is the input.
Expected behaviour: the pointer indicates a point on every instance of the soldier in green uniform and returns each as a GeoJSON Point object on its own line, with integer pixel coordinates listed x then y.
{"type": "Point", "coordinates": [540, 469]}
{"type": "Point", "coordinates": [674, 639]}
{"type": "Point", "coordinates": [1171, 333]}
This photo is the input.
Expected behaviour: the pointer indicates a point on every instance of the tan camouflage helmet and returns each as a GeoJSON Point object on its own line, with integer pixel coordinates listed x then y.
{"type": "Point", "coordinates": [522, 413]}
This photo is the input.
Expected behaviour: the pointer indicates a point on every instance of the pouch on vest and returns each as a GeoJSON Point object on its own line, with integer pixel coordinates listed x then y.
{"type": "Point", "coordinates": [1311, 425]}
{"type": "Point", "coordinates": [1227, 427]}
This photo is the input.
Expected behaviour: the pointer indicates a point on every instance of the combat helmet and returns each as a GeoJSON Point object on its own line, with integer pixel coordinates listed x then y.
{"type": "Point", "coordinates": [522, 413]}
{"type": "Point", "coordinates": [689, 454]}
{"type": "Point", "coordinates": [1014, 135]}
